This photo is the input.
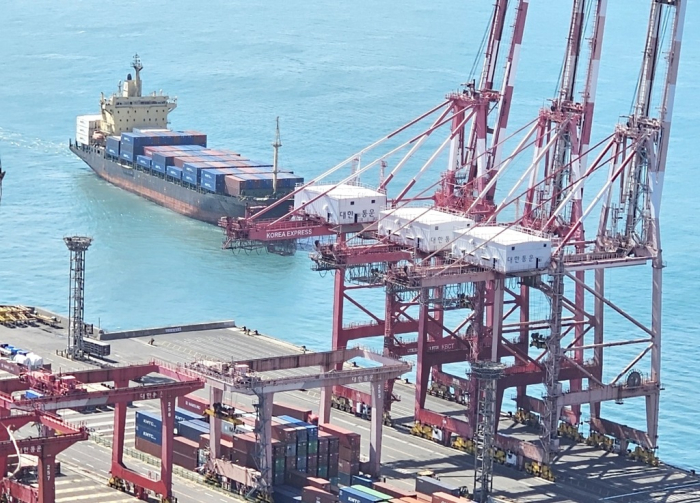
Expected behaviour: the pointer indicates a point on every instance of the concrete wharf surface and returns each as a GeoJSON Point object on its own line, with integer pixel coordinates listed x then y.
{"type": "Point", "coordinates": [584, 474]}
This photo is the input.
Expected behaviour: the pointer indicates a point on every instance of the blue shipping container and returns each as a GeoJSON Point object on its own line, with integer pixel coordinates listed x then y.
{"type": "Point", "coordinates": [353, 495]}
{"type": "Point", "coordinates": [182, 415]}
{"type": "Point", "coordinates": [127, 156]}
{"type": "Point", "coordinates": [360, 480]}
{"type": "Point", "coordinates": [189, 178]}
{"type": "Point", "coordinates": [193, 429]}
{"type": "Point", "coordinates": [149, 419]}
{"type": "Point", "coordinates": [143, 160]}
{"type": "Point", "coordinates": [175, 172]}
{"type": "Point", "coordinates": [31, 394]}
{"type": "Point", "coordinates": [113, 146]}
{"type": "Point", "coordinates": [150, 434]}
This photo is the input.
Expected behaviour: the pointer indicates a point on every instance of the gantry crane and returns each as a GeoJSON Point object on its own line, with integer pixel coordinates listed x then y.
{"type": "Point", "coordinates": [465, 246]}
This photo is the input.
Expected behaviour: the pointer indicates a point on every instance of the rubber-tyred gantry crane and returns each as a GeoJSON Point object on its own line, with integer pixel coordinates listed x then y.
{"type": "Point", "coordinates": [68, 391]}
{"type": "Point", "coordinates": [492, 262]}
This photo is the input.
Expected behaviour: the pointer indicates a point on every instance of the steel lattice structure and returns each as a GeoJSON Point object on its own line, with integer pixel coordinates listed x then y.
{"type": "Point", "coordinates": [77, 245]}
{"type": "Point", "coordinates": [536, 188]}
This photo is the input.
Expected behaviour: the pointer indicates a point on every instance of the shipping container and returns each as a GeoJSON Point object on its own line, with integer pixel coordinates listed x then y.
{"type": "Point", "coordinates": [31, 394]}
{"type": "Point", "coordinates": [174, 172]}
{"type": "Point", "coordinates": [430, 486]}
{"type": "Point", "coordinates": [193, 403]}
{"type": "Point", "coordinates": [346, 438]}
{"type": "Point", "coordinates": [348, 467]}
{"type": "Point", "coordinates": [349, 453]}
{"type": "Point", "coordinates": [193, 429]}
{"type": "Point", "coordinates": [311, 494]}
{"type": "Point", "coordinates": [189, 178]}
{"type": "Point", "coordinates": [185, 461]}
{"type": "Point", "coordinates": [112, 146]}
{"type": "Point", "coordinates": [287, 494]}
{"type": "Point", "coordinates": [393, 490]}
{"type": "Point", "coordinates": [185, 446]}
{"type": "Point", "coordinates": [354, 495]}
{"type": "Point", "coordinates": [361, 480]}
{"type": "Point", "coordinates": [150, 448]}
{"type": "Point", "coordinates": [152, 435]}
{"type": "Point", "coordinates": [149, 419]}
{"type": "Point", "coordinates": [126, 155]}
{"type": "Point", "coordinates": [366, 487]}
{"type": "Point", "coordinates": [96, 347]}
{"type": "Point", "coordinates": [143, 161]}
{"type": "Point", "coordinates": [441, 497]}
{"type": "Point", "coordinates": [322, 471]}
{"type": "Point", "coordinates": [319, 483]}
{"type": "Point", "coordinates": [299, 413]}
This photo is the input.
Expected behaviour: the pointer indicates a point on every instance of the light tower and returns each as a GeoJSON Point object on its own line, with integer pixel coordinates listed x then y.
{"type": "Point", "coordinates": [77, 245]}
{"type": "Point", "coordinates": [486, 373]}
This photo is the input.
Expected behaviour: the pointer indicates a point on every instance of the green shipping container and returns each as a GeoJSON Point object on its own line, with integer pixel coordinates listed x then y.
{"type": "Point", "coordinates": [279, 465]}
{"type": "Point", "coordinates": [323, 472]}
{"type": "Point", "coordinates": [312, 446]}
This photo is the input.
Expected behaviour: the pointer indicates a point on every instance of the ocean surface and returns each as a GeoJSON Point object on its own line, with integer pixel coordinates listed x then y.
{"type": "Point", "coordinates": [339, 75]}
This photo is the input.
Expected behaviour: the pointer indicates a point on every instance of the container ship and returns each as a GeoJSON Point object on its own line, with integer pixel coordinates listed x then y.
{"type": "Point", "coordinates": [130, 145]}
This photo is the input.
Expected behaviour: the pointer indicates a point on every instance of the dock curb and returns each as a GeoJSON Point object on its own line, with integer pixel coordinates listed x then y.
{"type": "Point", "coordinates": [128, 334]}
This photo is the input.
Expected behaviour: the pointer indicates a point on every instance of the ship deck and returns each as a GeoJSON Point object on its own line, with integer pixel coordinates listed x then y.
{"type": "Point", "coordinates": [584, 474]}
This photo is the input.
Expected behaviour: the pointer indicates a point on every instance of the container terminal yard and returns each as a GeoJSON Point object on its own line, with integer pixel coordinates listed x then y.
{"type": "Point", "coordinates": [514, 287]}
{"type": "Point", "coordinates": [584, 473]}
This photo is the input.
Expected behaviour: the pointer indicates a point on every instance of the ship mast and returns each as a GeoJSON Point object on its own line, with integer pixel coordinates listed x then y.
{"type": "Point", "coordinates": [276, 145]}
{"type": "Point", "coordinates": [137, 66]}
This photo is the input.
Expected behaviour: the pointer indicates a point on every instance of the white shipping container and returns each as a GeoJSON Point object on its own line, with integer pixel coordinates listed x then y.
{"type": "Point", "coordinates": [428, 230]}
{"type": "Point", "coordinates": [503, 249]}
{"type": "Point", "coordinates": [86, 125]}
{"type": "Point", "coordinates": [341, 204]}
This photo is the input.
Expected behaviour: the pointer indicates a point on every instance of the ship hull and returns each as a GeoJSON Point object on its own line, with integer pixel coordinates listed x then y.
{"type": "Point", "coordinates": [200, 205]}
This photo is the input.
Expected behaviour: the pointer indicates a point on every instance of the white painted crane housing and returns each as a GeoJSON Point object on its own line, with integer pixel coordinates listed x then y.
{"type": "Point", "coordinates": [504, 249]}
{"type": "Point", "coordinates": [428, 230]}
{"type": "Point", "coordinates": [341, 204]}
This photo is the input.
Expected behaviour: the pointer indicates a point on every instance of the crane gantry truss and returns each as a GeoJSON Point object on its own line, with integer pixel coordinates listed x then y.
{"type": "Point", "coordinates": [536, 187]}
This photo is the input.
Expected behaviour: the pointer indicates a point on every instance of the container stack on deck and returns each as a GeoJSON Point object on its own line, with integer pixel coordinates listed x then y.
{"type": "Point", "coordinates": [182, 157]}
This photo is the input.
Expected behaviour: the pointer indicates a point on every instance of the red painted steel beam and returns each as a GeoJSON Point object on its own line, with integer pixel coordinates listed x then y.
{"type": "Point", "coordinates": [129, 373]}
{"type": "Point", "coordinates": [19, 491]}
{"type": "Point", "coordinates": [35, 446]}
{"type": "Point", "coordinates": [122, 395]}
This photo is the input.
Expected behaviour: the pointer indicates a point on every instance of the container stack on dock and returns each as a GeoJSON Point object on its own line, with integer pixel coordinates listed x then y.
{"type": "Point", "coordinates": [347, 461]}
{"type": "Point", "coordinates": [182, 157]}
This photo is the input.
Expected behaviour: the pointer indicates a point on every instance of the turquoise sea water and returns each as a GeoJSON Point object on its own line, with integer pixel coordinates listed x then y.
{"type": "Point", "coordinates": [339, 75]}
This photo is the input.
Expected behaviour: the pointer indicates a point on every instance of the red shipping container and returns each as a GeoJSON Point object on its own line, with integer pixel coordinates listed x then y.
{"type": "Point", "coordinates": [144, 445]}
{"type": "Point", "coordinates": [302, 414]}
{"type": "Point", "coordinates": [319, 483]}
{"type": "Point", "coordinates": [185, 446]}
{"type": "Point", "coordinates": [348, 468]}
{"type": "Point", "coordinates": [311, 494]}
{"type": "Point", "coordinates": [193, 403]}
{"type": "Point", "coordinates": [394, 491]}
{"type": "Point", "coordinates": [349, 454]}
{"type": "Point", "coordinates": [440, 497]}
{"type": "Point", "coordinates": [296, 479]}
{"type": "Point", "coordinates": [186, 462]}
{"type": "Point", "coordinates": [346, 438]}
